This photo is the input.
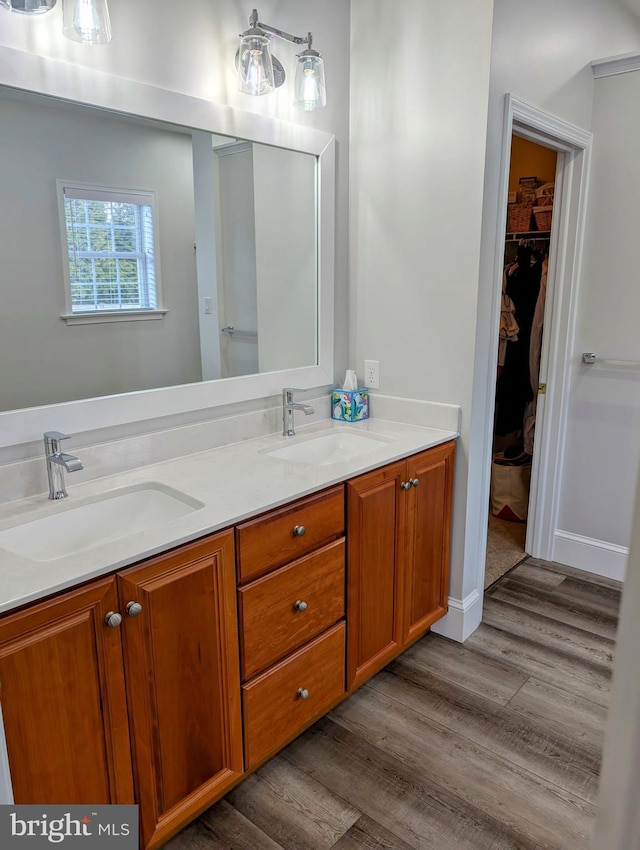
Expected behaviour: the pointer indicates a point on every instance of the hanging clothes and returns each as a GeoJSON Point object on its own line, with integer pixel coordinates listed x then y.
{"type": "Point", "coordinates": [535, 351]}
{"type": "Point", "coordinates": [514, 382]}
{"type": "Point", "coordinates": [508, 325]}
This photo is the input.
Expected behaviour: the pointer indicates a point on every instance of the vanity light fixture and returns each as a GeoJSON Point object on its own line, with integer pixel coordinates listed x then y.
{"type": "Point", "coordinates": [86, 21]}
{"type": "Point", "coordinates": [29, 7]}
{"type": "Point", "coordinates": [261, 73]}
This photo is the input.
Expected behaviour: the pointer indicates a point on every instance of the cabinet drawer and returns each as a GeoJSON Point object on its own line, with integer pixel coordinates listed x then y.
{"type": "Point", "coordinates": [271, 624]}
{"type": "Point", "coordinates": [274, 711]}
{"type": "Point", "coordinates": [275, 539]}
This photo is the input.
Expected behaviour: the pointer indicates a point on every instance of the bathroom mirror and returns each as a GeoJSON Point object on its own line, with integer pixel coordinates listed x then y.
{"type": "Point", "coordinates": [226, 296]}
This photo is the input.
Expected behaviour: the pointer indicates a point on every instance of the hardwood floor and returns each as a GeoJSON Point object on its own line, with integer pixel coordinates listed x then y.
{"type": "Point", "coordinates": [494, 745]}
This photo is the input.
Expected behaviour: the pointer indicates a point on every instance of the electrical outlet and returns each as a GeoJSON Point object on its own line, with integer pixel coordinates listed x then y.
{"type": "Point", "coordinates": [372, 374]}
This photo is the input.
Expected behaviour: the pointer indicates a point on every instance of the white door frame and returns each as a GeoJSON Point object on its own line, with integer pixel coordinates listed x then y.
{"type": "Point", "coordinates": [574, 147]}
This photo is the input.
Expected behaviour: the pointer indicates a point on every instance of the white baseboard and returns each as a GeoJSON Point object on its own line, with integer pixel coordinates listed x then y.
{"type": "Point", "coordinates": [463, 618]}
{"type": "Point", "coordinates": [592, 556]}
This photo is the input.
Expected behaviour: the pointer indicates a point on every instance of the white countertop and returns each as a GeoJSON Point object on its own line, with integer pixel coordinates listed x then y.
{"type": "Point", "coordinates": [232, 482]}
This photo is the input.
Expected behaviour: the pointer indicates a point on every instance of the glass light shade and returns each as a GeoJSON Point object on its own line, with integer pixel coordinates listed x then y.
{"type": "Point", "coordinates": [255, 65]}
{"type": "Point", "coordinates": [310, 92]}
{"type": "Point", "coordinates": [29, 7]}
{"type": "Point", "coordinates": [86, 21]}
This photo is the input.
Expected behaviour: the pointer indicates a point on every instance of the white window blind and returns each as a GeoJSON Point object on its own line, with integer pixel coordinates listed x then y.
{"type": "Point", "coordinates": [111, 248]}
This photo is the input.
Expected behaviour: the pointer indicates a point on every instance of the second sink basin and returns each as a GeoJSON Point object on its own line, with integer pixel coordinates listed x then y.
{"type": "Point", "coordinates": [76, 528]}
{"type": "Point", "coordinates": [330, 448]}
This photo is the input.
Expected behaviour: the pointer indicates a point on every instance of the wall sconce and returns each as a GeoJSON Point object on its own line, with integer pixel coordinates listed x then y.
{"type": "Point", "coordinates": [86, 21]}
{"type": "Point", "coordinates": [261, 73]}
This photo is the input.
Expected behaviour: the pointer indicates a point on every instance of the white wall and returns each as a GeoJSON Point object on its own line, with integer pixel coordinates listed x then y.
{"type": "Point", "coordinates": [545, 60]}
{"type": "Point", "coordinates": [44, 360]}
{"type": "Point", "coordinates": [286, 258]}
{"type": "Point", "coordinates": [236, 237]}
{"type": "Point", "coordinates": [207, 220]}
{"type": "Point", "coordinates": [416, 196]}
{"type": "Point", "coordinates": [542, 54]}
{"type": "Point", "coordinates": [603, 434]}
{"type": "Point", "coordinates": [419, 90]}
{"type": "Point", "coordinates": [191, 50]}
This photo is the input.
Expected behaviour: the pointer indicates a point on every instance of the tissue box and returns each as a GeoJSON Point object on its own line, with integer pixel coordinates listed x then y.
{"type": "Point", "coordinates": [350, 405]}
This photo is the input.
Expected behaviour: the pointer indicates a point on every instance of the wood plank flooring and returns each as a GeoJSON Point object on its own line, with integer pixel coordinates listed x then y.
{"type": "Point", "coordinates": [494, 745]}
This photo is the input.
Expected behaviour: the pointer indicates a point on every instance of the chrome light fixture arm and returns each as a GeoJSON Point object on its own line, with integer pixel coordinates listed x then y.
{"type": "Point", "coordinates": [294, 39]}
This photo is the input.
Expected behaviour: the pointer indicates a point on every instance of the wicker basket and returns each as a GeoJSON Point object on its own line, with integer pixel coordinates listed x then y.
{"type": "Point", "coordinates": [544, 195]}
{"type": "Point", "coordinates": [543, 216]}
{"type": "Point", "coordinates": [519, 218]}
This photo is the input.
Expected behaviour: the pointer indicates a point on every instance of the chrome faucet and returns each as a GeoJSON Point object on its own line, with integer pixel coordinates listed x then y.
{"type": "Point", "coordinates": [57, 462]}
{"type": "Point", "coordinates": [288, 406]}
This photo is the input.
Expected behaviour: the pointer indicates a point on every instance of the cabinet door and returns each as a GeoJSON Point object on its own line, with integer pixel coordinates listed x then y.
{"type": "Point", "coordinates": [182, 670]}
{"type": "Point", "coordinates": [63, 701]}
{"type": "Point", "coordinates": [428, 539]}
{"type": "Point", "coordinates": [376, 507]}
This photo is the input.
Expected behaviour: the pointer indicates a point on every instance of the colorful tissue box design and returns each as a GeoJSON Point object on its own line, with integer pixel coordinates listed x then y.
{"type": "Point", "coordinates": [350, 405]}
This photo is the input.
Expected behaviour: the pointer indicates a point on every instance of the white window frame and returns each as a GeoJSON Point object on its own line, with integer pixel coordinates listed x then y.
{"type": "Point", "coordinates": [147, 197]}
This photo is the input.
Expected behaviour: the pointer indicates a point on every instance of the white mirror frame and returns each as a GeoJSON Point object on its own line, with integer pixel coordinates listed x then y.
{"type": "Point", "coordinates": [28, 72]}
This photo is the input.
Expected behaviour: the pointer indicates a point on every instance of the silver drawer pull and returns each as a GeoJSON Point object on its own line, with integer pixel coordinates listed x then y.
{"type": "Point", "coordinates": [300, 605]}
{"type": "Point", "coordinates": [134, 608]}
{"type": "Point", "coordinates": [405, 485]}
{"type": "Point", "coordinates": [299, 531]}
{"type": "Point", "coordinates": [303, 693]}
{"type": "Point", "coordinates": [414, 482]}
{"type": "Point", "coordinates": [113, 619]}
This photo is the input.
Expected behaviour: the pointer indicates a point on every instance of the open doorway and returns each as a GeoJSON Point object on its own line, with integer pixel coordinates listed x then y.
{"type": "Point", "coordinates": [531, 195]}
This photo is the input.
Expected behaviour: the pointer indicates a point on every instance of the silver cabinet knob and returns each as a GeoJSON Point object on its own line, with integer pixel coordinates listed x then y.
{"type": "Point", "coordinates": [300, 605]}
{"type": "Point", "coordinates": [134, 608]}
{"type": "Point", "coordinates": [299, 531]}
{"type": "Point", "coordinates": [414, 482]}
{"type": "Point", "coordinates": [113, 619]}
{"type": "Point", "coordinates": [303, 693]}
{"type": "Point", "coordinates": [405, 485]}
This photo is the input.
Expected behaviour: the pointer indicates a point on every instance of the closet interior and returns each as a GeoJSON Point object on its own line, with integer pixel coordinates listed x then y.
{"type": "Point", "coordinates": [529, 220]}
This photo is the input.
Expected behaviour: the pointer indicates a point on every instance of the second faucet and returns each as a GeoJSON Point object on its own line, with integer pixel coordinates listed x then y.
{"type": "Point", "coordinates": [288, 406]}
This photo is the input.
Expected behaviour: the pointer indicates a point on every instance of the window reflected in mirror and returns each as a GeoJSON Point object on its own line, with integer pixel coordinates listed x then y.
{"type": "Point", "coordinates": [116, 220]}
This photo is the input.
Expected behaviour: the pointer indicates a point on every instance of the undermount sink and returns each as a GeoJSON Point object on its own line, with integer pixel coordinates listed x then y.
{"type": "Point", "coordinates": [337, 447]}
{"type": "Point", "coordinates": [76, 528]}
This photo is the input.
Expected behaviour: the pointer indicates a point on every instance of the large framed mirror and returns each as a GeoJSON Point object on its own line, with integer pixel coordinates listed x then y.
{"type": "Point", "coordinates": [159, 253]}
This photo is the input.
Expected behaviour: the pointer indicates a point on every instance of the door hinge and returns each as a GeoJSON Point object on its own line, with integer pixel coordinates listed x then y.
{"type": "Point", "coordinates": [542, 389]}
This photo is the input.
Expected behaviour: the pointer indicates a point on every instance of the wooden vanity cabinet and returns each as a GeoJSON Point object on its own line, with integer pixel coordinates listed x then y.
{"type": "Point", "coordinates": [76, 718]}
{"type": "Point", "coordinates": [181, 661]}
{"type": "Point", "coordinates": [398, 539]}
{"type": "Point", "coordinates": [163, 683]}
{"type": "Point", "coordinates": [292, 630]}
{"type": "Point", "coordinates": [428, 541]}
{"type": "Point", "coordinates": [377, 510]}
{"type": "Point", "coordinates": [62, 693]}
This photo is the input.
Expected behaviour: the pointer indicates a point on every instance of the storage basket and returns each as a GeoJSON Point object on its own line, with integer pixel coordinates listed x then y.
{"type": "Point", "coordinates": [519, 218]}
{"type": "Point", "coordinates": [528, 187]}
{"type": "Point", "coordinates": [544, 195]}
{"type": "Point", "coordinates": [510, 490]}
{"type": "Point", "coordinates": [543, 216]}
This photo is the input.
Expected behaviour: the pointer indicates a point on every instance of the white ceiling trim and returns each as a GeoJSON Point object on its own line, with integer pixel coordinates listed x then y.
{"type": "Point", "coordinates": [613, 65]}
